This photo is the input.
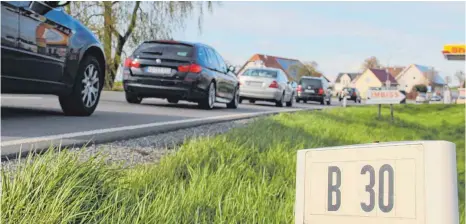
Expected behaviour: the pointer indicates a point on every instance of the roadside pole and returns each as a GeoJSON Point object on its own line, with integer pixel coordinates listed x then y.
{"type": "Point", "coordinates": [380, 111]}
{"type": "Point", "coordinates": [344, 101]}
{"type": "Point", "coordinates": [391, 113]}
{"type": "Point", "coordinates": [385, 96]}
{"type": "Point", "coordinates": [328, 182]}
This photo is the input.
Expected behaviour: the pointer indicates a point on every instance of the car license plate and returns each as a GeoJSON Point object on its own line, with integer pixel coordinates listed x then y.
{"type": "Point", "coordinates": [309, 91]}
{"type": "Point", "coordinates": [159, 70]}
{"type": "Point", "coordinates": [255, 83]}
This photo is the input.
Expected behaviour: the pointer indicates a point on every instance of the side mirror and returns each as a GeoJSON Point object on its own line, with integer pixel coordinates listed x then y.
{"type": "Point", "coordinates": [231, 68]}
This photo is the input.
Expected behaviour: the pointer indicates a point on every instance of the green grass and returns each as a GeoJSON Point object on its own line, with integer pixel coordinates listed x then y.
{"type": "Point", "coordinates": [244, 176]}
{"type": "Point", "coordinates": [117, 86]}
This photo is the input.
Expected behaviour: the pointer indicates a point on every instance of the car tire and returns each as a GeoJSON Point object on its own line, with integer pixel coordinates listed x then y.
{"type": "Point", "coordinates": [281, 101]}
{"type": "Point", "coordinates": [298, 100]}
{"type": "Point", "coordinates": [240, 100]}
{"type": "Point", "coordinates": [329, 102]}
{"type": "Point", "coordinates": [322, 102]}
{"type": "Point", "coordinates": [290, 103]}
{"type": "Point", "coordinates": [133, 98]}
{"type": "Point", "coordinates": [170, 100]}
{"type": "Point", "coordinates": [340, 99]}
{"type": "Point", "coordinates": [305, 101]}
{"type": "Point", "coordinates": [235, 101]}
{"type": "Point", "coordinates": [89, 79]}
{"type": "Point", "coordinates": [208, 101]}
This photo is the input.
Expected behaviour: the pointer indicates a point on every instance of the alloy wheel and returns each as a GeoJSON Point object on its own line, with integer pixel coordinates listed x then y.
{"type": "Point", "coordinates": [90, 86]}
{"type": "Point", "coordinates": [211, 95]}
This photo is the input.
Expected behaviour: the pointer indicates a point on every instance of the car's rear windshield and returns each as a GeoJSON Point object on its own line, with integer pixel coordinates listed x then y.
{"type": "Point", "coordinates": [165, 50]}
{"type": "Point", "coordinates": [260, 73]}
{"type": "Point", "coordinates": [311, 82]}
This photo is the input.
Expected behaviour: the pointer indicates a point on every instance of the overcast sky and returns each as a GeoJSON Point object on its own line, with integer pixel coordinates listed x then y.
{"type": "Point", "coordinates": [337, 35]}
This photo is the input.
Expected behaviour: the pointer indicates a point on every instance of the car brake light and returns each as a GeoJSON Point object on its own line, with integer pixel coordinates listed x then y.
{"type": "Point", "coordinates": [274, 84]}
{"type": "Point", "coordinates": [194, 68]}
{"type": "Point", "coordinates": [321, 91]}
{"type": "Point", "coordinates": [300, 88]}
{"type": "Point", "coordinates": [130, 63]}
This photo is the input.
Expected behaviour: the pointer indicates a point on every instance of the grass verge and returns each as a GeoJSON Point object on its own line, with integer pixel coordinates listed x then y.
{"type": "Point", "coordinates": [244, 176]}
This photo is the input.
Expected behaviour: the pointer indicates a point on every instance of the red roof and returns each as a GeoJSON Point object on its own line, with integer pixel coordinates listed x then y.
{"type": "Point", "coordinates": [271, 62]}
{"type": "Point", "coordinates": [382, 75]}
{"type": "Point", "coordinates": [395, 71]}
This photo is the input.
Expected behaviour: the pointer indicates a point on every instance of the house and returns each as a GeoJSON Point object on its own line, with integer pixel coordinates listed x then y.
{"type": "Point", "coordinates": [285, 64]}
{"type": "Point", "coordinates": [373, 78]}
{"type": "Point", "coordinates": [345, 80]}
{"type": "Point", "coordinates": [395, 70]}
{"type": "Point", "coordinates": [418, 74]}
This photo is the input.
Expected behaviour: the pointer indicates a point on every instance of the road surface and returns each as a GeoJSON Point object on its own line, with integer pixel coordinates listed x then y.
{"type": "Point", "coordinates": [36, 121]}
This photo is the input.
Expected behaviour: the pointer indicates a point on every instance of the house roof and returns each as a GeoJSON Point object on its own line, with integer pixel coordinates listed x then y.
{"type": "Point", "coordinates": [437, 79]}
{"type": "Point", "coordinates": [277, 62]}
{"type": "Point", "coordinates": [383, 76]}
{"type": "Point", "coordinates": [351, 75]}
{"type": "Point", "coordinates": [396, 70]}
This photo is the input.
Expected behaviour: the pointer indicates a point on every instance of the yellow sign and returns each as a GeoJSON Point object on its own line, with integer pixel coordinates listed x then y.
{"type": "Point", "coordinates": [454, 51]}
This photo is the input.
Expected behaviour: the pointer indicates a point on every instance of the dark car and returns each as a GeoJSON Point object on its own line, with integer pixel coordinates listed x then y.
{"type": "Point", "coordinates": [314, 89]}
{"type": "Point", "coordinates": [352, 94]}
{"type": "Point", "coordinates": [176, 71]}
{"type": "Point", "coordinates": [45, 51]}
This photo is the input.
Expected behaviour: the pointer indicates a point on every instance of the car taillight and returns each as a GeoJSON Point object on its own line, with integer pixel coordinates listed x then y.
{"type": "Point", "coordinates": [300, 88]}
{"type": "Point", "coordinates": [354, 93]}
{"type": "Point", "coordinates": [274, 84]}
{"type": "Point", "coordinates": [130, 63]}
{"type": "Point", "coordinates": [194, 68]}
{"type": "Point", "coordinates": [321, 91]}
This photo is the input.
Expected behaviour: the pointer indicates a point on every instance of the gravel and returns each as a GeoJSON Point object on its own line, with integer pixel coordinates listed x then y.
{"type": "Point", "coordinates": [148, 149]}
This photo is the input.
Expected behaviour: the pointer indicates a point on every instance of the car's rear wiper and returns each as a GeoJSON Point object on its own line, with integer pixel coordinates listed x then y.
{"type": "Point", "coordinates": [153, 52]}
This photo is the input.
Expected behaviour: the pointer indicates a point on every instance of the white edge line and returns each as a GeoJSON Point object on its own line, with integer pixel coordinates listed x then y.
{"type": "Point", "coordinates": [131, 127]}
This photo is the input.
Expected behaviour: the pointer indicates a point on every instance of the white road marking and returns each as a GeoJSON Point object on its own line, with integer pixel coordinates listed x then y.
{"type": "Point", "coordinates": [133, 127]}
{"type": "Point", "coordinates": [22, 97]}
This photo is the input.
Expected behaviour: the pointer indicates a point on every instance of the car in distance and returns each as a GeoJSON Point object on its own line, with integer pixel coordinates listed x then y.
{"type": "Point", "coordinates": [421, 98]}
{"type": "Point", "coordinates": [266, 84]}
{"type": "Point", "coordinates": [314, 89]}
{"type": "Point", "coordinates": [45, 51]}
{"type": "Point", "coordinates": [176, 70]}
{"type": "Point", "coordinates": [353, 94]}
{"type": "Point", "coordinates": [436, 98]}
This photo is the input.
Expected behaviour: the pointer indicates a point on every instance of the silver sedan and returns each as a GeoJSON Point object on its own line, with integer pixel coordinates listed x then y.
{"type": "Point", "coordinates": [266, 84]}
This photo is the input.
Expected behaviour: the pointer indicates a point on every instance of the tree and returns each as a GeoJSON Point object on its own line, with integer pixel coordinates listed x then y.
{"type": "Point", "coordinates": [305, 69]}
{"type": "Point", "coordinates": [460, 76]}
{"type": "Point", "coordinates": [122, 25]}
{"type": "Point", "coordinates": [370, 63]}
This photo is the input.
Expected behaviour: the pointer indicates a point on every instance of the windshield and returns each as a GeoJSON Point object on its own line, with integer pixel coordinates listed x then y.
{"type": "Point", "coordinates": [165, 50]}
{"type": "Point", "coordinates": [260, 73]}
{"type": "Point", "coordinates": [311, 82]}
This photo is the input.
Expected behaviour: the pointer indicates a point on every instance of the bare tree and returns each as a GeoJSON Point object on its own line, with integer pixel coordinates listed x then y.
{"type": "Point", "coordinates": [123, 25]}
{"type": "Point", "coordinates": [460, 76]}
{"type": "Point", "coordinates": [306, 69]}
{"type": "Point", "coordinates": [370, 63]}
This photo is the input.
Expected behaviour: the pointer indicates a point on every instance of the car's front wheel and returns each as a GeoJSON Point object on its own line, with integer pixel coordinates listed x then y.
{"type": "Point", "coordinates": [86, 90]}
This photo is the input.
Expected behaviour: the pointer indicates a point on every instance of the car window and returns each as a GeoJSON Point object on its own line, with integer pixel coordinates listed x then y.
{"type": "Point", "coordinates": [212, 59]}
{"type": "Point", "coordinates": [202, 57]}
{"type": "Point", "coordinates": [311, 82]}
{"type": "Point", "coordinates": [261, 73]}
{"type": "Point", "coordinates": [19, 3]}
{"type": "Point", "coordinates": [162, 50]}
{"type": "Point", "coordinates": [221, 62]}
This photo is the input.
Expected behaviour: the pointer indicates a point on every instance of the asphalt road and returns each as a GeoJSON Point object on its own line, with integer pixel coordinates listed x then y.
{"type": "Point", "coordinates": [36, 121]}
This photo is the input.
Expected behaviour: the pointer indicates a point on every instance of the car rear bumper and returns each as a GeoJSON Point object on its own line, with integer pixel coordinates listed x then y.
{"type": "Point", "coordinates": [158, 88]}
{"type": "Point", "coordinates": [260, 94]}
{"type": "Point", "coordinates": [309, 96]}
